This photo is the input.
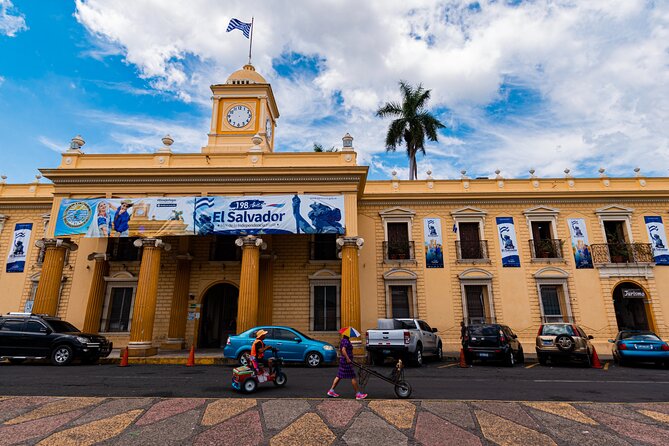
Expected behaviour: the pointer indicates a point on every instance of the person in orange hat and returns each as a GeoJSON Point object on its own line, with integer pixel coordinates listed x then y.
{"type": "Point", "coordinates": [258, 351]}
{"type": "Point", "coordinates": [345, 370]}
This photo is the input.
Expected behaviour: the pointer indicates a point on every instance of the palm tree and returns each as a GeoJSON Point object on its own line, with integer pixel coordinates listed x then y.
{"type": "Point", "coordinates": [318, 147]}
{"type": "Point", "coordinates": [412, 124]}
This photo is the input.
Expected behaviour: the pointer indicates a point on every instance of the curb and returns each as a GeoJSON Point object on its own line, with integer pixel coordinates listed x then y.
{"type": "Point", "coordinates": [170, 361]}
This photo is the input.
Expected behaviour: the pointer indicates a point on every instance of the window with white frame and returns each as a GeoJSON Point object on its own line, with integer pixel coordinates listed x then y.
{"type": "Point", "coordinates": [118, 304]}
{"type": "Point", "coordinates": [325, 299]}
{"type": "Point", "coordinates": [397, 226]}
{"type": "Point", "coordinates": [477, 300]}
{"type": "Point", "coordinates": [325, 308]}
{"type": "Point", "coordinates": [470, 243]}
{"type": "Point", "coordinates": [553, 293]}
{"type": "Point", "coordinates": [400, 294]}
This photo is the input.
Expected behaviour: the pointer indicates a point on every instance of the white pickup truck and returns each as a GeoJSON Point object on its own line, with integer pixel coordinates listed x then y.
{"type": "Point", "coordinates": [410, 339]}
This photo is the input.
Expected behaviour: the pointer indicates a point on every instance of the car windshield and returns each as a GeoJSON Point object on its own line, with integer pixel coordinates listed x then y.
{"type": "Point", "coordinates": [406, 325]}
{"type": "Point", "coordinates": [483, 330]}
{"type": "Point", "coordinates": [555, 330]}
{"type": "Point", "coordinates": [62, 327]}
{"type": "Point", "coordinates": [639, 337]}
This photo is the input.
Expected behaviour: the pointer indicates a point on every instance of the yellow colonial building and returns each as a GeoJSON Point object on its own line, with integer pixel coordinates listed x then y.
{"type": "Point", "coordinates": [517, 251]}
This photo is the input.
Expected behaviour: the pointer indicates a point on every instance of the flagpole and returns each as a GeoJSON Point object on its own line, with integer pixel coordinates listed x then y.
{"type": "Point", "coordinates": [251, 41]}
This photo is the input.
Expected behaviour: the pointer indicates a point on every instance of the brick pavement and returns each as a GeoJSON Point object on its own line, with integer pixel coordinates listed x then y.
{"type": "Point", "coordinates": [57, 421]}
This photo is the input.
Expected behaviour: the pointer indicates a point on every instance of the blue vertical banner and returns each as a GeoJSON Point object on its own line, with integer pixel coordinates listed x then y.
{"type": "Point", "coordinates": [508, 244]}
{"type": "Point", "coordinates": [16, 260]}
{"type": "Point", "coordinates": [579, 243]}
{"type": "Point", "coordinates": [434, 252]}
{"type": "Point", "coordinates": [658, 239]}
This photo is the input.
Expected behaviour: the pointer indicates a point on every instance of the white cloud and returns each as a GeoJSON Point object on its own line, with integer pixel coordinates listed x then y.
{"type": "Point", "coordinates": [599, 68]}
{"type": "Point", "coordinates": [134, 133]}
{"type": "Point", "coordinates": [11, 21]}
{"type": "Point", "coordinates": [51, 144]}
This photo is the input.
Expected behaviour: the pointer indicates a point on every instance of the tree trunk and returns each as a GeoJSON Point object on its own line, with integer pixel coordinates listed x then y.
{"type": "Point", "coordinates": [413, 174]}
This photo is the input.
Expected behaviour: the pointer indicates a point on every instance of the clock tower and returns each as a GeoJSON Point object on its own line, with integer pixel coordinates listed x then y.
{"type": "Point", "coordinates": [242, 107]}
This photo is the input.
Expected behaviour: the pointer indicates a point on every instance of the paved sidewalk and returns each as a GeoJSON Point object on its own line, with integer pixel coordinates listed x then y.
{"type": "Point", "coordinates": [122, 421]}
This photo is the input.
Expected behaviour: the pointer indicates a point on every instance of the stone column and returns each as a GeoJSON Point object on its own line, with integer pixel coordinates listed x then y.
{"type": "Point", "coordinates": [144, 311]}
{"type": "Point", "coordinates": [96, 295]}
{"type": "Point", "coordinates": [176, 333]}
{"type": "Point", "coordinates": [247, 308]}
{"type": "Point", "coordinates": [48, 288]}
{"type": "Point", "coordinates": [266, 297]}
{"type": "Point", "coordinates": [350, 281]}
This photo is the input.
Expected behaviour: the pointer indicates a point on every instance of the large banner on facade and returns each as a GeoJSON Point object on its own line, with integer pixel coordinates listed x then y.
{"type": "Point", "coordinates": [270, 214]}
{"type": "Point", "coordinates": [434, 253]}
{"type": "Point", "coordinates": [16, 260]}
{"type": "Point", "coordinates": [658, 239]}
{"type": "Point", "coordinates": [579, 243]}
{"type": "Point", "coordinates": [508, 243]}
{"type": "Point", "coordinates": [129, 217]}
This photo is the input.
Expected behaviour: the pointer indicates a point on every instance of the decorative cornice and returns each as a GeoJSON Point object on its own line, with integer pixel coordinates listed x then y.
{"type": "Point", "coordinates": [25, 206]}
{"type": "Point", "coordinates": [459, 202]}
{"type": "Point", "coordinates": [208, 179]}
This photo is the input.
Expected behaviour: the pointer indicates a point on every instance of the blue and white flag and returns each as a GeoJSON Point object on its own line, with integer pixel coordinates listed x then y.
{"type": "Point", "coordinates": [508, 244]}
{"type": "Point", "coordinates": [242, 26]}
{"type": "Point", "coordinates": [658, 240]}
{"type": "Point", "coordinates": [18, 251]}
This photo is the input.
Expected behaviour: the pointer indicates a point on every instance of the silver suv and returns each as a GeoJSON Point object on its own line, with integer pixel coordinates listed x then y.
{"type": "Point", "coordinates": [564, 340]}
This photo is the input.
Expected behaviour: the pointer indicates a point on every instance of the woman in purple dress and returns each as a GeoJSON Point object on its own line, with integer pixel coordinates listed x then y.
{"type": "Point", "coordinates": [346, 370]}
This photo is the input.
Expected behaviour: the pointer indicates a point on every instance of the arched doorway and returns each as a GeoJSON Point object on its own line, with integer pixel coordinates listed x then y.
{"type": "Point", "coordinates": [629, 301]}
{"type": "Point", "coordinates": [219, 315]}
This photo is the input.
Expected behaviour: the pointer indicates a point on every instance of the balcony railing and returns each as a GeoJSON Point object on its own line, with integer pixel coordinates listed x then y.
{"type": "Point", "coordinates": [323, 250]}
{"type": "Point", "coordinates": [123, 250]}
{"type": "Point", "coordinates": [399, 250]}
{"type": "Point", "coordinates": [472, 250]}
{"type": "Point", "coordinates": [622, 253]}
{"type": "Point", "coordinates": [546, 248]}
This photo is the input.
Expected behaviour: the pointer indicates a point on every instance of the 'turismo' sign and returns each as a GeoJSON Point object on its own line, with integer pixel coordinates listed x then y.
{"type": "Point", "coordinates": [633, 293]}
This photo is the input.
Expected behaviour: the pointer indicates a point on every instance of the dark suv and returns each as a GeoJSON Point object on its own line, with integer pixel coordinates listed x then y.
{"type": "Point", "coordinates": [32, 336]}
{"type": "Point", "coordinates": [492, 342]}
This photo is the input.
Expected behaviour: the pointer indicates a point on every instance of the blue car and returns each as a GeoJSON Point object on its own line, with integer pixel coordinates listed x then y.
{"type": "Point", "coordinates": [639, 346]}
{"type": "Point", "coordinates": [293, 346]}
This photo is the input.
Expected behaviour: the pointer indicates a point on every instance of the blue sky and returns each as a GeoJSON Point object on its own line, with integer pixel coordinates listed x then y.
{"type": "Point", "coordinates": [547, 85]}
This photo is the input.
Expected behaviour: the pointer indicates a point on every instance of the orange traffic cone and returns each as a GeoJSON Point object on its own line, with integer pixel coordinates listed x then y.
{"type": "Point", "coordinates": [191, 357]}
{"type": "Point", "coordinates": [124, 358]}
{"type": "Point", "coordinates": [595, 360]}
{"type": "Point", "coordinates": [463, 363]}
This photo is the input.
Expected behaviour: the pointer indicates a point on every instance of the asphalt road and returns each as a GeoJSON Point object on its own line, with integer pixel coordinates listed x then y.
{"type": "Point", "coordinates": [433, 381]}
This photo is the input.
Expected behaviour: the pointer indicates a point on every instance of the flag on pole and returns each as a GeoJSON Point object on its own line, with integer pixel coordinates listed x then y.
{"type": "Point", "coordinates": [242, 26]}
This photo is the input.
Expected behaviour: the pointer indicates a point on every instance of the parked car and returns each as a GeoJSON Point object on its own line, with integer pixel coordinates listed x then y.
{"type": "Point", "coordinates": [492, 342]}
{"type": "Point", "coordinates": [564, 341]}
{"type": "Point", "coordinates": [293, 346]}
{"type": "Point", "coordinates": [33, 336]}
{"type": "Point", "coordinates": [639, 346]}
{"type": "Point", "coordinates": [411, 339]}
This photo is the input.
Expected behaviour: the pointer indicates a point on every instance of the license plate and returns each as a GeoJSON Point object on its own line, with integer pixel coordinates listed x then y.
{"type": "Point", "coordinates": [484, 355]}
{"type": "Point", "coordinates": [644, 347]}
{"type": "Point", "coordinates": [547, 342]}
{"type": "Point", "coordinates": [386, 352]}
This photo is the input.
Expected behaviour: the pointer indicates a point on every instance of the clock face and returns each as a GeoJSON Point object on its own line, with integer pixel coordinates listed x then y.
{"type": "Point", "coordinates": [239, 116]}
{"type": "Point", "coordinates": [268, 129]}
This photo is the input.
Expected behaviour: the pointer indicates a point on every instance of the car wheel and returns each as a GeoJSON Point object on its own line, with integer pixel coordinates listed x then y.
{"type": "Point", "coordinates": [565, 343]}
{"type": "Point", "coordinates": [17, 361]}
{"type": "Point", "coordinates": [588, 360]}
{"type": "Point", "coordinates": [280, 380]}
{"type": "Point", "coordinates": [243, 358]}
{"type": "Point", "coordinates": [440, 353]}
{"type": "Point", "coordinates": [313, 359]}
{"type": "Point", "coordinates": [250, 385]}
{"type": "Point", "coordinates": [520, 356]}
{"type": "Point", "coordinates": [543, 359]}
{"type": "Point", "coordinates": [418, 356]}
{"type": "Point", "coordinates": [510, 360]}
{"type": "Point", "coordinates": [62, 355]}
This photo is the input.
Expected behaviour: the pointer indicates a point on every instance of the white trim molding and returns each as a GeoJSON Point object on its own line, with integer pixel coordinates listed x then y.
{"type": "Point", "coordinates": [480, 277]}
{"type": "Point", "coordinates": [324, 277]}
{"type": "Point", "coordinates": [556, 277]}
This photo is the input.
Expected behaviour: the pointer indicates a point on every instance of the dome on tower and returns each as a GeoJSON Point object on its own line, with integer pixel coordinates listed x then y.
{"type": "Point", "coordinates": [247, 75]}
